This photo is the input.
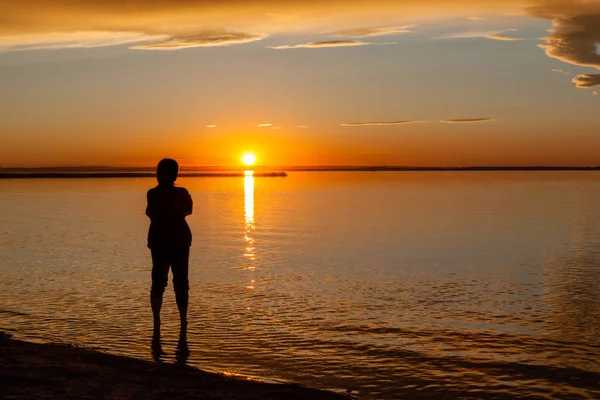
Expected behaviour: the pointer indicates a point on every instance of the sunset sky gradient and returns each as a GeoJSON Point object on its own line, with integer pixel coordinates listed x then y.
{"type": "Point", "coordinates": [355, 82]}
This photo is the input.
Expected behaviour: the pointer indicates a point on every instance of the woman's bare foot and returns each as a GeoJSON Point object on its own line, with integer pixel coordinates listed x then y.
{"type": "Point", "coordinates": [183, 329]}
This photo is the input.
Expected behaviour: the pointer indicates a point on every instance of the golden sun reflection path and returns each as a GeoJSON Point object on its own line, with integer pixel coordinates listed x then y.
{"type": "Point", "coordinates": [249, 251]}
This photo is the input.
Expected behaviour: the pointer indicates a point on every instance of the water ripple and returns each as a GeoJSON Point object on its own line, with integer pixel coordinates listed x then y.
{"type": "Point", "coordinates": [393, 286]}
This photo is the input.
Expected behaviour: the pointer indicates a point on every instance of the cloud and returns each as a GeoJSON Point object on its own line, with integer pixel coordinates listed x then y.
{"type": "Point", "coordinates": [502, 37]}
{"type": "Point", "coordinates": [182, 24]}
{"type": "Point", "coordinates": [466, 120]}
{"type": "Point", "coordinates": [206, 39]}
{"type": "Point", "coordinates": [495, 35]}
{"type": "Point", "coordinates": [72, 40]}
{"type": "Point", "coordinates": [91, 39]}
{"type": "Point", "coordinates": [270, 126]}
{"type": "Point", "coordinates": [595, 93]}
{"type": "Point", "coordinates": [367, 32]}
{"type": "Point", "coordinates": [476, 18]}
{"type": "Point", "coordinates": [587, 80]}
{"type": "Point", "coordinates": [573, 40]}
{"type": "Point", "coordinates": [211, 126]}
{"type": "Point", "coordinates": [560, 71]}
{"type": "Point", "coordinates": [325, 44]}
{"type": "Point", "coordinates": [382, 123]}
{"type": "Point", "coordinates": [574, 36]}
{"type": "Point", "coordinates": [302, 127]}
{"type": "Point", "coordinates": [447, 121]}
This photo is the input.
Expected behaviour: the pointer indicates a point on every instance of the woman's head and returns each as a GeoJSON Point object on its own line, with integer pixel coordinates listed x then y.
{"type": "Point", "coordinates": [166, 172]}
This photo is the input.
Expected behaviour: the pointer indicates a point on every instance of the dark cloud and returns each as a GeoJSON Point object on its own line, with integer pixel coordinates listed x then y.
{"type": "Point", "coordinates": [324, 44]}
{"type": "Point", "coordinates": [366, 32]}
{"type": "Point", "coordinates": [573, 40]}
{"type": "Point", "coordinates": [382, 123]}
{"type": "Point", "coordinates": [466, 120]}
{"type": "Point", "coordinates": [574, 36]}
{"type": "Point", "coordinates": [587, 80]}
{"type": "Point", "coordinates": [207, 39]}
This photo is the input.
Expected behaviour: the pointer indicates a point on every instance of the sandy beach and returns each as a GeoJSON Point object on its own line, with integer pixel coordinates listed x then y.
{"type": "Point", "coordinates": [51, 371]}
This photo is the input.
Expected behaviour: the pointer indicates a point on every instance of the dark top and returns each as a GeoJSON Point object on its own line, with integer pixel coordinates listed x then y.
{"type": "Point", "coordinates": [167, 208]}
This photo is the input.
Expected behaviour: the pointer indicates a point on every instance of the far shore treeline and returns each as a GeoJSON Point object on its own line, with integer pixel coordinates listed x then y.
{"type": "Point", "coordinates": [258, 171]}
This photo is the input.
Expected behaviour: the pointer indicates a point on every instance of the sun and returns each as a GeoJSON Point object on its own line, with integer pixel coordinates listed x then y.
{"type": "Point", "coordinates": [249, 159]}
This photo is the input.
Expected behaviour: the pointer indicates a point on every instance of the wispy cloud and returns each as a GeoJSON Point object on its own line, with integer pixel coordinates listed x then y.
{"type": "Point", "coordinates": [466, 120]}
{"type": "Point", "coordinates": [379, 123]}
{"type": "Point", "coordinates": [476, 18]}
{"type": "Point", "coordinates": [204, 39]}
{"type": "Point", "coordinates": [73, 40]}
{"type": "Point", "coordinates": [595, 93]}
{"type": "Point", "coordinates": [560, 71]}
{"type": "Point", "coordinates": [140, 41]}
{"type": "Point", "coordinates": [326, 44]}
{"type": "Point", "coordinates": [180, 20]}
{"type": "Point", "coordinates": [211, 126]}
{"type": "Point", "coordinates": [270, 126]}
{"type": "Point", "coordinates": [502, 37]}
{"type": "Point", "coordinates": [302, 127]}
{"type": "Point", "coordinates": [372, 31]}
{"type": "Point", "coordinates": [405, 122]}
{"type": "Point", "coordinates": [587, 80]}
{"type": "Point", "coordinates": [496, 35]}
{"type": "Point", "coordinates": [180, 24]}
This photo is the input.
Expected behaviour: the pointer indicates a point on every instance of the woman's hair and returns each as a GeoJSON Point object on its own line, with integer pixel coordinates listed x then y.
{"type": "Point", "coordinates": [166, 171]}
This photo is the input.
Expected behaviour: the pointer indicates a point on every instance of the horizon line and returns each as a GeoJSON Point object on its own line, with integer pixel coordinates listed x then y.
{"type": "Point", "coordinates": [183, 168]}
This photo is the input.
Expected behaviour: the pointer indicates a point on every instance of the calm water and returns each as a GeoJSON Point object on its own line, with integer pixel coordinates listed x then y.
{"type": "Point", "coordinates": [433, 284]}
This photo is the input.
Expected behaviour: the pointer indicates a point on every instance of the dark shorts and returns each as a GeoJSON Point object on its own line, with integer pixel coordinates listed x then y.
{"type": "Point", "coordinates": [177, 260]}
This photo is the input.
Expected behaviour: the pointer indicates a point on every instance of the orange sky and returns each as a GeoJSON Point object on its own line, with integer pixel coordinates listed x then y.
{"type": "Point", "coordinates": [396, 82]}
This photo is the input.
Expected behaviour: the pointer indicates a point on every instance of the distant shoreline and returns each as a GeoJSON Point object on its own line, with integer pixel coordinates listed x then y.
{"type": "Point", "coordinates": [86, 175]}
{"type": "Point", "coordinates": [283, 168]}
{"type": "Point", "coordinates": [259, 172]}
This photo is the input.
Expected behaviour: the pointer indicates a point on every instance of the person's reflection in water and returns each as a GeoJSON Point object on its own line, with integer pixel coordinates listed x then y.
{"type": "Point", "coordinates": [169, 240]}
{"type": "Point", "coordinates": [157, 351]}
{"type": "Point", "coordinates": [182, 353]}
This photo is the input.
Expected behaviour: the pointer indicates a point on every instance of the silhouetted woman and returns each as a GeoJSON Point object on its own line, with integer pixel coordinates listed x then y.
{"type": "Point", "coordinates": [169, 240]}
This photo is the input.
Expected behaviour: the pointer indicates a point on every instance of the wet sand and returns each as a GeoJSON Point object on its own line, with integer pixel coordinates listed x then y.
{"type": "Point", "coordinates": [51, 371]}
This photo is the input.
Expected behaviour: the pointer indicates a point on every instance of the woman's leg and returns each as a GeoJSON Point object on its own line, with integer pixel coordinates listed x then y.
{"type": "Point", "coordinates": [181, 284]}
{"type": "Point", "coordinates": [160, 276]}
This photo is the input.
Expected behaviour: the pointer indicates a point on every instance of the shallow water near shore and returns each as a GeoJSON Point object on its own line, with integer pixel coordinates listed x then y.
{"type": "Point", "coordinates": [472, 284]}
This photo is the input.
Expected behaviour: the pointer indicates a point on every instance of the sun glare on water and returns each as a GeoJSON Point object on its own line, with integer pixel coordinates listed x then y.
{"type": "Point", "coordinates": [249, 159]}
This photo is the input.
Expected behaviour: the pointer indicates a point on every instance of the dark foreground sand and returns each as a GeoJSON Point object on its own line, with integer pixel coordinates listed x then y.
{"type": "Point", "coordinates": [49, 371]}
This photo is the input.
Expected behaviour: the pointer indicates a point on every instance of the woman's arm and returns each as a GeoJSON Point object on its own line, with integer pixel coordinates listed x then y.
{"type": "Point", "coordinates": [188, 205]}
{"type": "Point", "coordinates": [150, 206]}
